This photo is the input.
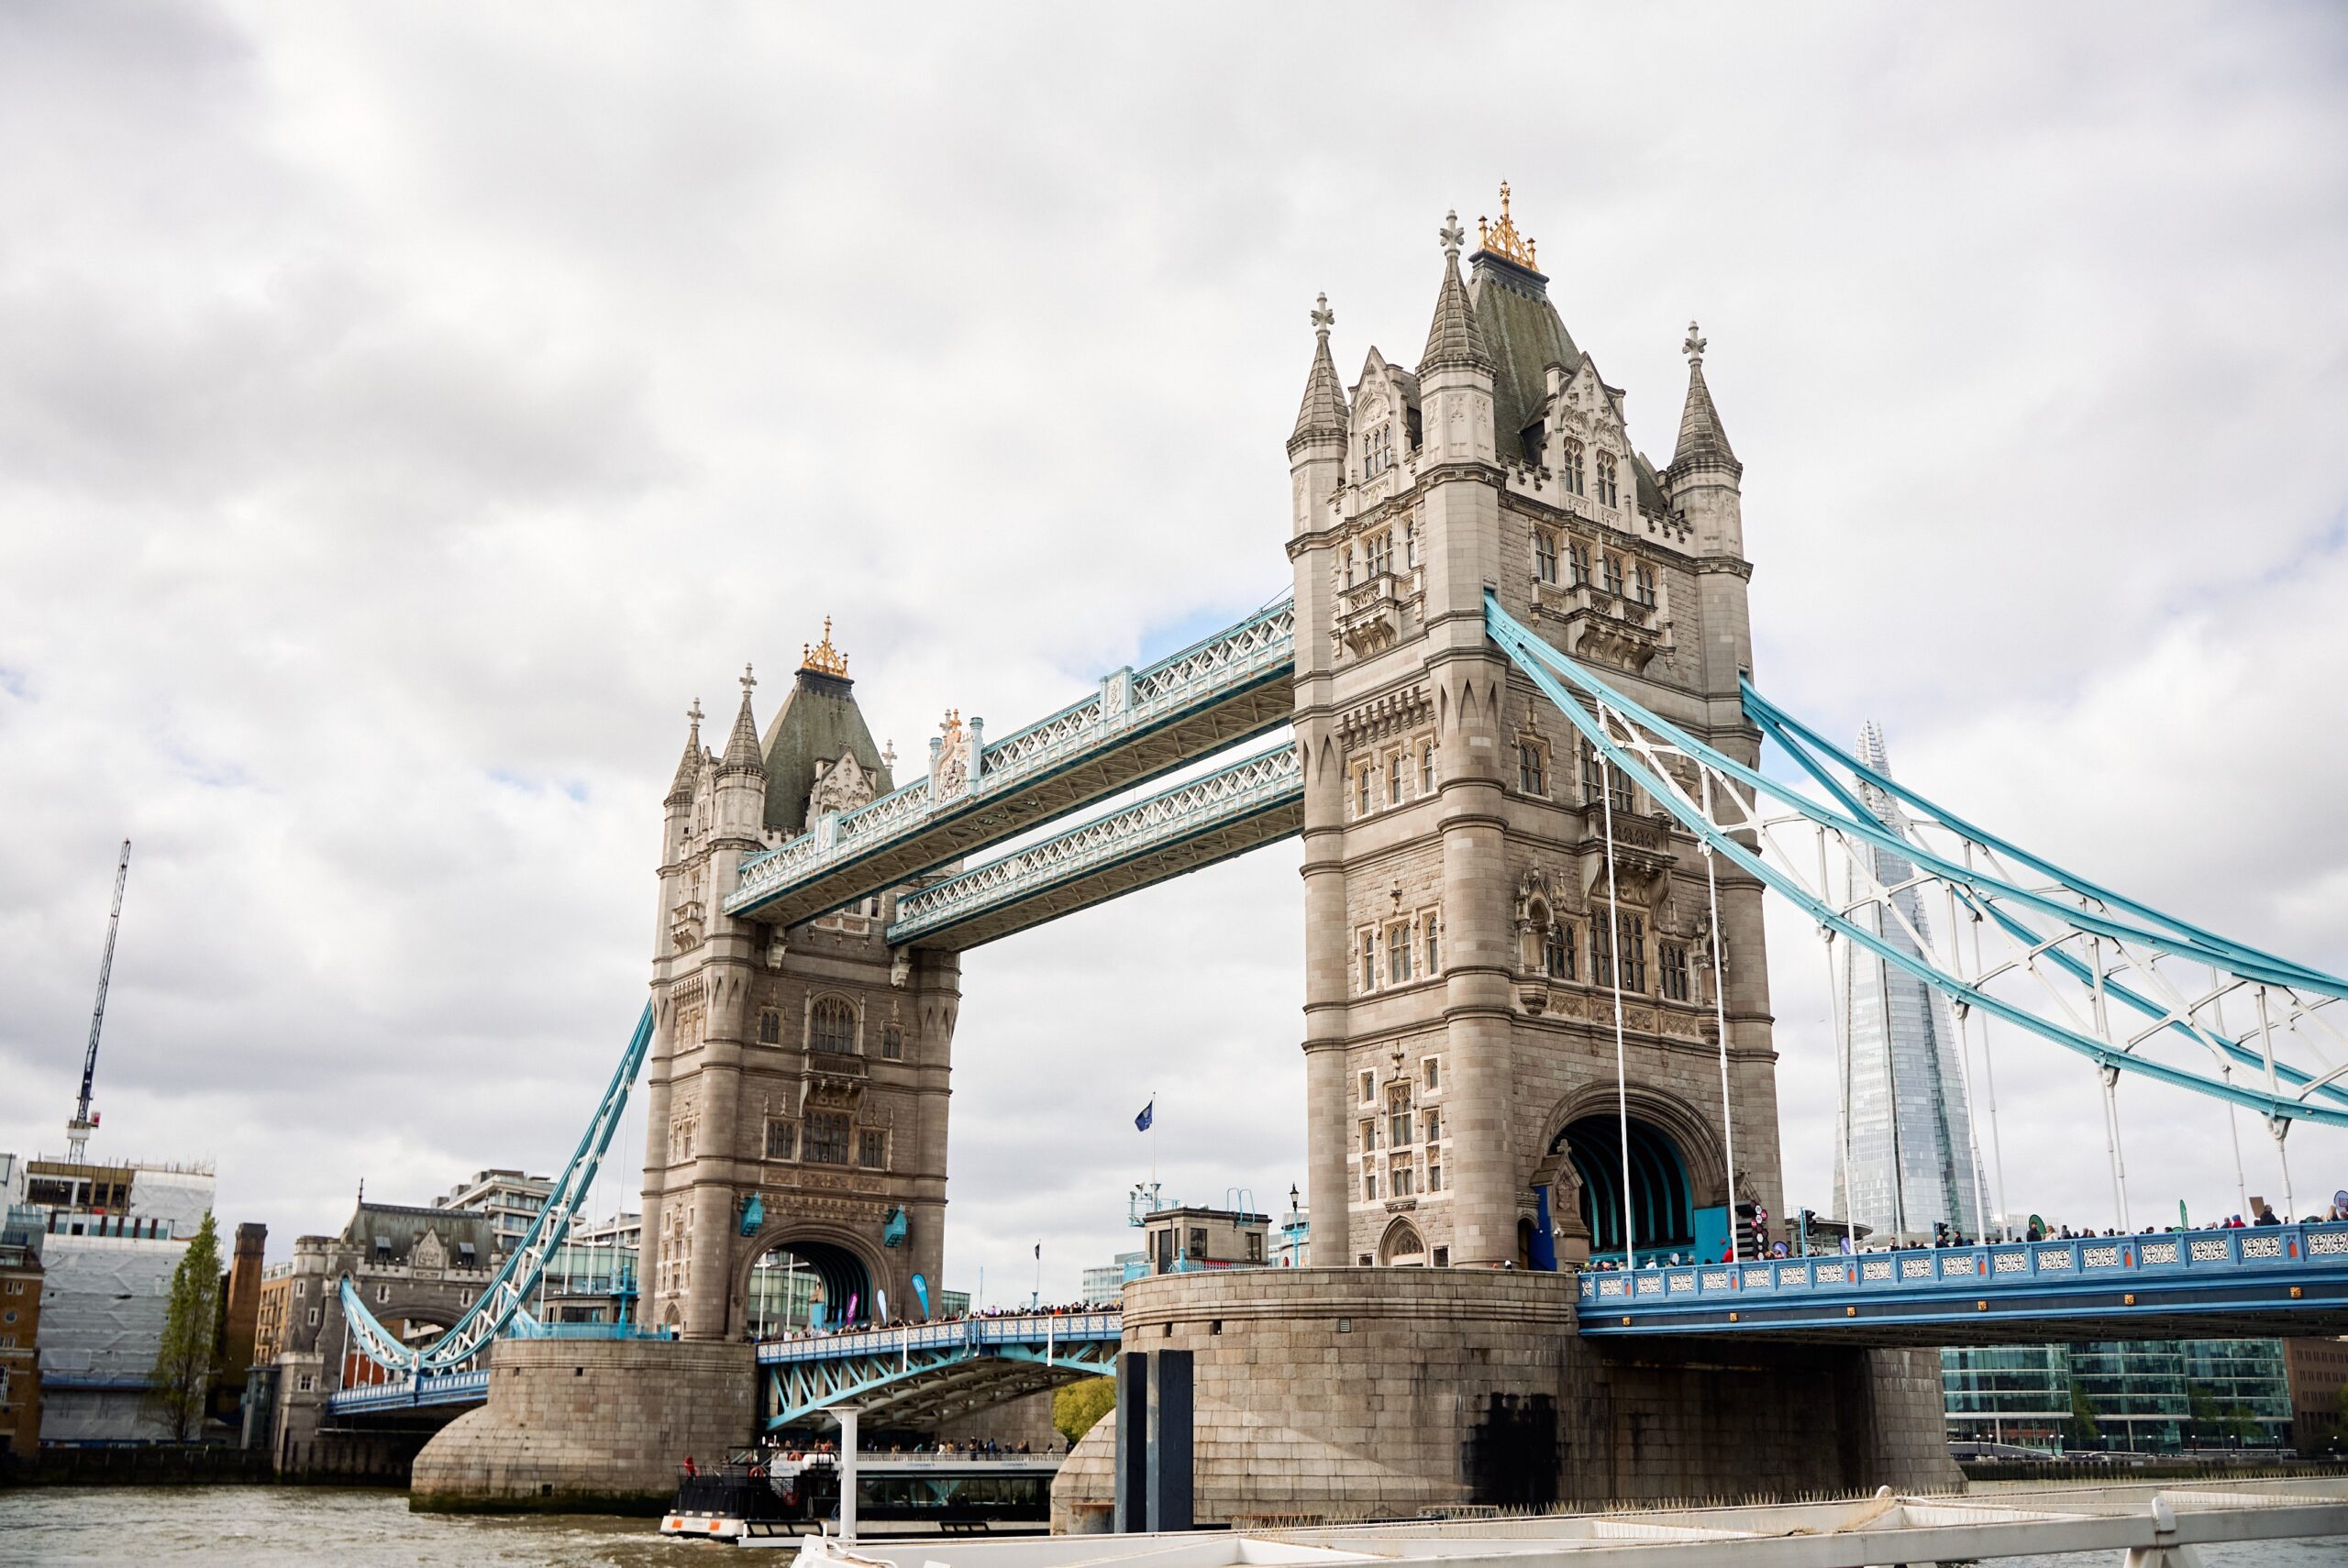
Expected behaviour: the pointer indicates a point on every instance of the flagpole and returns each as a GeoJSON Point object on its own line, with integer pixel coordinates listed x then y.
{"type": "Point", "coordinates": [1153, 1146]}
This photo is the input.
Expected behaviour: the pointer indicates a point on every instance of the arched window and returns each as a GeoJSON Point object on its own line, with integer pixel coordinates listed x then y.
{"type": "Point", "coordinates": [1607, 494]}
{"type": "Point", "coordinates": [1394, 779]}
{"type": "Point", "coordinates": [1573, 471]}
{"type": "Point", "coordinates": [1531, 778]}
{"type": "Point", "coordinates": [1557, 955]}
{"type": "Point", "coordinates": [832, 1026]}
{"type": "Point", "coordinates": [1545, 554]}
{"type": "Point", "coordinates": [1426, 770]}
{"type": "Point", "coordinates": [1643, 584]}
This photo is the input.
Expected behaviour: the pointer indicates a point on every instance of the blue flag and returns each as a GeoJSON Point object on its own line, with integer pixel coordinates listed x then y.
{"type": "Point", "coordinates": [1148, 1114]}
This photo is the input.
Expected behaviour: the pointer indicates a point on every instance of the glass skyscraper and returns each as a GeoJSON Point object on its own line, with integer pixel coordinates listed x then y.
{"type": "Point", "coordinates": [1910, 1160]}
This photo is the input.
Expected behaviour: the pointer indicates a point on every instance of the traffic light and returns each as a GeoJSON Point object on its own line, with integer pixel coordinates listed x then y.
{"type": "Point", "coordinates": [1753, 1230]}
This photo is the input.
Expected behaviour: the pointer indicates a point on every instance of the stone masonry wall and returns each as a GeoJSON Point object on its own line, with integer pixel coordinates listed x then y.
{"type": "Point", "coordinates": [1360, 1392]}
{"type": "Point", "coordinates": [578, 1424]}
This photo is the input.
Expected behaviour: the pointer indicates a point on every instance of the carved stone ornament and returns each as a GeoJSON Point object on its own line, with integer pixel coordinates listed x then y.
{"type": "Point", "coordinates": [428, 1252]}
{"type": "Point", "coordinates": [953, 765]}
{"type": "Point", "coordinates": [842, 786]}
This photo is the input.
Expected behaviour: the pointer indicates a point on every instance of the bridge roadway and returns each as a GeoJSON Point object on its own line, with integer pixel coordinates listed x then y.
{"type": "Point", "coordinates": [2265, 1282]}
{"type": "Point", "coordinates": [1140, 725]}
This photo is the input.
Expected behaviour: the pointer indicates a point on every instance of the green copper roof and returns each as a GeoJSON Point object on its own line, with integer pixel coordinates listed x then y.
{"type": "Point", "coordinates": [1522, 331]}
{"type": "Point", "coordinates": [817, 721]}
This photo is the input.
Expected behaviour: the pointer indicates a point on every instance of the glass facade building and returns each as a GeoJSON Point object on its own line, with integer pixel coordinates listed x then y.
{"type": "Point", "coordinates": [1904, 1133]}
{"type": "Point", "coordinates": [2140, 1395]}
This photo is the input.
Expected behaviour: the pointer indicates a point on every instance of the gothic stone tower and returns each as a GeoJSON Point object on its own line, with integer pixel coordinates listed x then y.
{"type": "Point", "coordinates": [1458, 1016]}
{"type": "Point", "coordinates": [796, 1091]}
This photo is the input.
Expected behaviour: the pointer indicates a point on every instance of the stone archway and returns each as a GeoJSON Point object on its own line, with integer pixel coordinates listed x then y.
{"type": "Point", "coordinates": [1402, 1246]}
{"type": "Point", "coordinates": [795, 1277]}
{"type": "Point", "coordinates": [1661, 1213]}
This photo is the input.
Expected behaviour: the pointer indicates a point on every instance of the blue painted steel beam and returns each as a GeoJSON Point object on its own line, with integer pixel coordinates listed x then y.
{"type": "Point", "coordinates": [1544, 666]}
{"type": "Point", "coordinates": [495, 1308]}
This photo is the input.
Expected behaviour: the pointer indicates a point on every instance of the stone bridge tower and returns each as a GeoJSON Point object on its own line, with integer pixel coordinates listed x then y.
{"type": "Point", "coordinates": [1459, 1013]}
{"type": "Point", "coordinates": [795, 1097]}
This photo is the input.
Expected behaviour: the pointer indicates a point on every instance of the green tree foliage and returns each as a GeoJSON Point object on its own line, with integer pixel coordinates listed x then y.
{"type": "Point", "coordinates": [2082, 1428]}
{"type": "Point", "coordinates": [1078, 1406]}
{"type": "Point", "coordinates": [189, 1358]}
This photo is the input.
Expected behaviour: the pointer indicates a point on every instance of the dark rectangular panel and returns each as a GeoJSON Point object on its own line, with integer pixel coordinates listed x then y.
{"type": "Point", "coordinates": [1169, 1440]}
{"type": "Point", "coordinates": [1131, 1417]}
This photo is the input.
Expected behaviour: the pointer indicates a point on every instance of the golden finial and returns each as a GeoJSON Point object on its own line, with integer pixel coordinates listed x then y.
{"type": "Point", "coordinates": [1501, 240]}
{"type": "Point", "coordinates": [823, 659]}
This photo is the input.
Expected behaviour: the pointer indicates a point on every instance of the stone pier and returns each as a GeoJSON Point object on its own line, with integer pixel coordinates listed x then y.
{"type": "Point", "coordinates": [1352, 1393]}
{"type": "Point", "coordinates": [589, 1425]}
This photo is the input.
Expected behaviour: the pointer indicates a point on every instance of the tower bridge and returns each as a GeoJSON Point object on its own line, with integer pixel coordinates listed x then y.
{"type": "Point", "coordinates": [1524, 737]}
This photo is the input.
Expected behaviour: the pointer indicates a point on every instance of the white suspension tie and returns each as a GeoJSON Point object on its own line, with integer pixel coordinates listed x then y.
{"type": "Point", "coordinates": [1879, 914]}
{"type": "Point", "coordinates": [1841, 1053]}
{"type": "Point", "coordinates": [2110, 1074]}
{"type": "Point", "coordinates": [2278, 1125]}
{"type": "Point", "coordinates": [1614, 951]}
{"type": "Point", "coordinates": [1989, 1078]}
{"type": "Point", "coordinates": [1964, 1067]}
{"type": "Point", "coordinates": [2226, 1071]}
{"type": "Point", "coordinates": [1720, 1013]}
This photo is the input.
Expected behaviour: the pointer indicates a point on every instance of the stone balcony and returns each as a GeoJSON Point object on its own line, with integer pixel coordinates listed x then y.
{"type": "Point", "coordinates": [1603, 627]}
{"type": "Point", "coordinates": [1370, 613]}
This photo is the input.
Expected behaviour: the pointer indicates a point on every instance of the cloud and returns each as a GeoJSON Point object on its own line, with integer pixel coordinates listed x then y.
{"type": "Point", "coordinates": [403, 415]}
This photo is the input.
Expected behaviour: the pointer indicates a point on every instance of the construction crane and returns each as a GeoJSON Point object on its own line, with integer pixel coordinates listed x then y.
{"type": "Point", "coordinates": [85, 1121]}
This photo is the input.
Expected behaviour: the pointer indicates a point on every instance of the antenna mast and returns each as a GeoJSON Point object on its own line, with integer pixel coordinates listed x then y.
{"type": "Point", "coordinates": [78, 1130]}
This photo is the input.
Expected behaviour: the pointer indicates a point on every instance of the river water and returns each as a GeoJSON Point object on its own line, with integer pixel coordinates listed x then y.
{"type": "Point", "coordinates": [279, 1527]}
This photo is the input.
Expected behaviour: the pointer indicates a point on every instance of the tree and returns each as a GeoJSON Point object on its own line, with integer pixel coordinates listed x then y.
{"type": "Point", "coordinates": [1077, 1408]}
{"type": "Point", "coordinates": [2082, 1429]}
{"type": "Point", "coordinates": [189, 1358]}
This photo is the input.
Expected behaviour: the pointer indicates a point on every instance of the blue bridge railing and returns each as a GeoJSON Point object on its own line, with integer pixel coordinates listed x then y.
{"type": "Point", "coordinates": [2300, 1267]}
{"type": "Point", "coordinates": [442, 1389]}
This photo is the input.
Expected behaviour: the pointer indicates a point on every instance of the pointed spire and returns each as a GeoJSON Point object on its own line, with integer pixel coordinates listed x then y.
{"type": "Point", "coordinates": [742, 748]}
{"type": "Point", "coordinates": [1323, 409]}
{"type": "Point", "coordinates": [1703, 442]}
{"type": "Point", "coordinates": [1453, 338]}
{"type": "Point", "coordinates": [680, 792]}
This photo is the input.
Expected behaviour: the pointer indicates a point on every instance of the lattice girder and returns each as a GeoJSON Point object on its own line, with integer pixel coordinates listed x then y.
{"type": "Point", "coordinates": [1230, 688]}
{"type": "Point", "coordinates": [1250, 803]}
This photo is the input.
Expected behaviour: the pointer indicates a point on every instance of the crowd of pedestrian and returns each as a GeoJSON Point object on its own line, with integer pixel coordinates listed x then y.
{"type": "Point", "coordinates": [981, 1314]}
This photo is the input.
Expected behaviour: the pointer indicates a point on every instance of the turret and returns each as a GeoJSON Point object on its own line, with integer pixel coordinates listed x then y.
{"type": "Point", "coordinates": [742, 773]}
{"type": "Point", "coordinates": [1704, 474]}
{"type": "Point", "coordinates": [1316, 451]}
{"type": "Point", "coordinates": [679, 802]}
{"type": "Point", "coordinates": [1455, 372]}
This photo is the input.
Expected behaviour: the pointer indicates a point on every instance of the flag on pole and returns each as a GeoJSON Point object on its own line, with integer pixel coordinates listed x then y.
{"type": "Point", "coordinates": [1040, 1252]}
{"type": "Point", "coordinates": [1148, 1114]}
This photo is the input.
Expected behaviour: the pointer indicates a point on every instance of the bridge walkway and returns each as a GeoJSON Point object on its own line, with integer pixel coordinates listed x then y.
{"type": "Point", "coordinates": [1140, 725]}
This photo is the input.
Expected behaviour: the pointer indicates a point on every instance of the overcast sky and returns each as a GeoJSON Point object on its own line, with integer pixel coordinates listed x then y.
{"type": "Point", "coordinates": [406, 411]}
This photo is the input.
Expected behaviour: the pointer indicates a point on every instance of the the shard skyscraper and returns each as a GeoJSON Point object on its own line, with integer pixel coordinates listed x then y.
{"type": "Point", "coordinates": [1911, 1159]}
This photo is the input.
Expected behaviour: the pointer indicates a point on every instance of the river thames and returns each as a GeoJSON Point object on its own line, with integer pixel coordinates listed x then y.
{"type": "Point", "coordinates": [267, 1526]}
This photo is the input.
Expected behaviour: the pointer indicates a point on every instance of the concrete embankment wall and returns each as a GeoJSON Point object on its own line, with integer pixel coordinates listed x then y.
{"type": "Point", "coordinates": [581, 1424]}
